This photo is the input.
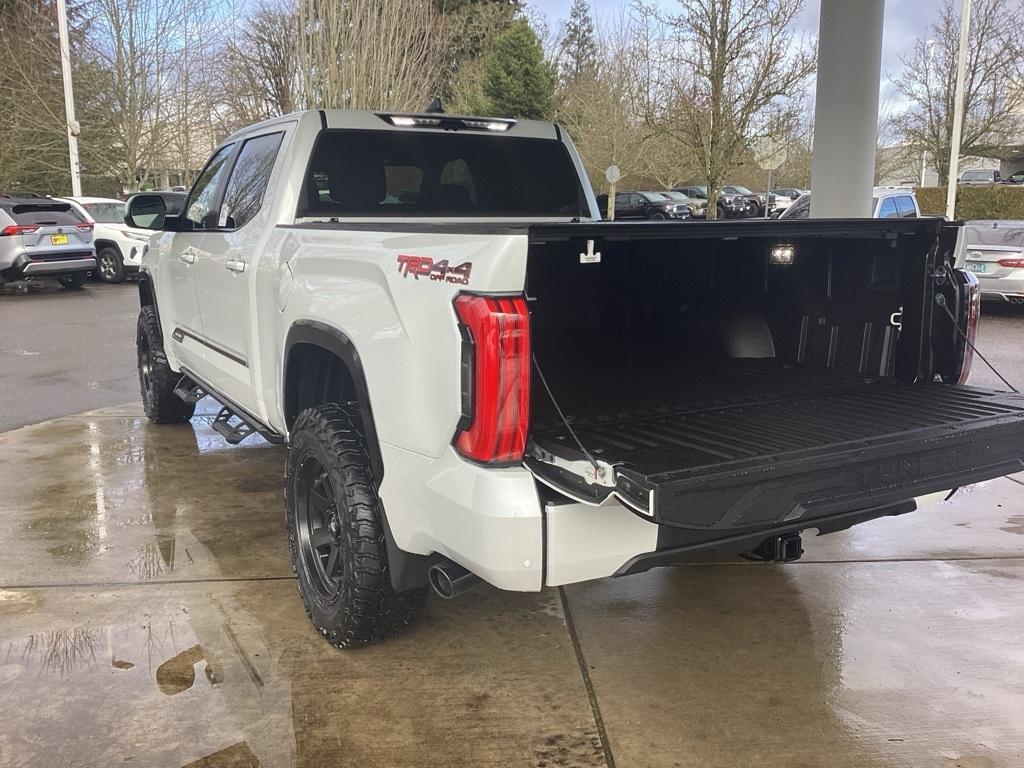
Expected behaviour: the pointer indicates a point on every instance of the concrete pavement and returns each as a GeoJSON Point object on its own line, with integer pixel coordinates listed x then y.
{"type": "Point", "coordinates": [64, 352]}
{"type": "Point", "coordinates": [148, 616]}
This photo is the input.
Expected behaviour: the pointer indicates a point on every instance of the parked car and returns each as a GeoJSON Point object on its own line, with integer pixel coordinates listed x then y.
{"type": "Point", "coordinates": [887, 203]}
{"type": "Point", "coordinates": [118, 246]}
{"type": "Point", "coordinates": [729, 206]}
{"type": "Point", "coordinates": [652, 206]}
{"type": "Point", "coordinates": [444, 427]}
{"type": "Point", "coordinates": [995, 254]}
{"type": "Point", "coordinates": [979, 177]}
{"type": "Point", "coordinates": [759, 199]}
{"type": "Point", "coordinates": [784, 198]}
{"type": "Point", "coordinates": [42, 237]}
{"type": "Point", "coordinates": [1014, 178]}
{"type": "Point", "coordinates": [698, 206]}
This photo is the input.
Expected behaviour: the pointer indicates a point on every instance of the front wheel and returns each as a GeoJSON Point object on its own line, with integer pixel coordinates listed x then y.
{"type": "Point", "coordinates": [72, 282]}
{"type": "Point", "coordinates": [156, 379]}
{"type": "Point", "coordinates": [335, 529]}
{"type": "Point", "coordinates": [658, 216]}
{"type": "Point", "coordinates": [110, 265]}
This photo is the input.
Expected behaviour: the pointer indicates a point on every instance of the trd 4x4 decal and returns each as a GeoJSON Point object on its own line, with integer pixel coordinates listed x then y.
{"type": "Point", "coordinates": [422, 266]}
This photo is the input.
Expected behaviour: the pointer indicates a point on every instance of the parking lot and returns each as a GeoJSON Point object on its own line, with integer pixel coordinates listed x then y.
{"type": "Point", "coordinates": [150, 617]}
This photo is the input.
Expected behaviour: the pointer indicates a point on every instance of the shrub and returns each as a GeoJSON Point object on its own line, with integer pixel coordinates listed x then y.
{"type": "Point", "coordinates": [999, 201]}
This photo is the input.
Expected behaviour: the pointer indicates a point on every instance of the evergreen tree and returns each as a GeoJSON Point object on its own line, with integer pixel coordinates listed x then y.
{"type": "Point", "coordinates": [577, 52]}
{"type": "Point", "coordinates": [517, 82]}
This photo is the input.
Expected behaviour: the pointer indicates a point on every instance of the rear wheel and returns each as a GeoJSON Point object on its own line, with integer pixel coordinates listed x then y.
{"type": "Point", "coordinates": [156, 379]}
{"type": "Point", "coordinates": [72, 282]}
{"type": "Point", "coordinates": [336, 531]}
{"type": "Point", "coordinates": [110, 265]}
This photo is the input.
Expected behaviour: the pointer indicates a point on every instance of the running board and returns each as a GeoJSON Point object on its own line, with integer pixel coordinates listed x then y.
{"type": "Point", "coordinates": [233, 433]}
{"type": "Point", "coordinates": [188, 391]}
{"type": "Point", "coordinates": [232, 423]}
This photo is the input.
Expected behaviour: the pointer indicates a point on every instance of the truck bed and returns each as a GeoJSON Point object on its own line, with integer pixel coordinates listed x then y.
{"type": "Point", "coordinates": [734, 443]}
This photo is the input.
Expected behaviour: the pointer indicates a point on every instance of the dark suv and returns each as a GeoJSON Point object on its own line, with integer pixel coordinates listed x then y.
{"type": "Point", "coordinates": [652, 206]}
{"type": "Point", "coordinates": [41, 237]}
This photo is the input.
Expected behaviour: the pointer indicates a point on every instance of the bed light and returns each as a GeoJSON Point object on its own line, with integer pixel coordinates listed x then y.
{"type": "Point", "coordinates": [783, 255]}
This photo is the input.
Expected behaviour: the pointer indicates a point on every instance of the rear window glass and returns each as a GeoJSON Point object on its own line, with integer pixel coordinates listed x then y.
{"type": "Point", "coordinates": [364, 173]}
{"type": "Point", "coordinates": [44, 213]}
{"type": "Point", "coordinates": [106, 213]}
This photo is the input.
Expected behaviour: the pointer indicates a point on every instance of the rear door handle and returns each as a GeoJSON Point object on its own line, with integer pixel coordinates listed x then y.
{"type": "Point", "coordinates": [235, 265]}
{"type": "Point", "coordinates": [188, 256]}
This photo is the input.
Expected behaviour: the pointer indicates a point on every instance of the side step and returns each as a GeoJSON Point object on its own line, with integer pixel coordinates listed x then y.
{"type": "Point", "coordinates": [189, 391]}
{"type": "Point", "coordinates": [233, 433]}
{"type": "Point", "coordinates": [231, 422]}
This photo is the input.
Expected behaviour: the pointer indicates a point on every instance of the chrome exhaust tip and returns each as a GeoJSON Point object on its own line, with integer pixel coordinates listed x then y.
{"type": "Point", "coordinates": [449, 580]}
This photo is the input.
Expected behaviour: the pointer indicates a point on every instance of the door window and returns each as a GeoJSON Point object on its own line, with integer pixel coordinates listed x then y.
{"type": "Point", "coordinates": [888, 209]}
{"type": "Point", "coordinates": [905, 205]}
{"type": "Point", "coordinates": [199, 211]}
{"type": "Point", "coordinates": [248, 183]}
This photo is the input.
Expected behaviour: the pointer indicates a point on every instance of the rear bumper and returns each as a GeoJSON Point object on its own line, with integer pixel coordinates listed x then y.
{"type": "Point", "coordinates": [24, 267]}
{"type": "Point", "coordinates": [1002, 288]}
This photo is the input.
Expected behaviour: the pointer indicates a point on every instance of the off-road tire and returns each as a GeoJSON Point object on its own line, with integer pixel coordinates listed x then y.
{"type": "Point", "coordinates": [110, 265]}
{"type": "Point", "coordinates": [361, 607]}
{"type": "Point", "coordinates": [156, 379]}
{"type": "Point", "coordinates": [72, 282]}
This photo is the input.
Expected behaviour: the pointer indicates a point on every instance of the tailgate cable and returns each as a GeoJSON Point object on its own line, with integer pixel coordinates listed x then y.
{"type": "Point", "coordinates": [941, 301]}
{"type": "Point", "coordinates": [540, 375]}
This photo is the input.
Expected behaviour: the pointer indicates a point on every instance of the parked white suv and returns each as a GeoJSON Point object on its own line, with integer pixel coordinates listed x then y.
{"type": "Point", "coordinates": [478, 379]}
{"type": "Point", "coordinates": [118, 247]}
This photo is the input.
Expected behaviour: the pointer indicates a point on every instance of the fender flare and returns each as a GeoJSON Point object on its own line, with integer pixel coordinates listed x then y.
{"type": "Point", "coordinates": [147, 294]}
{"type": "Point", "coordinates": [318, 334]}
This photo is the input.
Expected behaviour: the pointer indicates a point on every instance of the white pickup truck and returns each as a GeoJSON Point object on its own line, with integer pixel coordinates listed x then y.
{"type": "Point", "coordinates": [478, 379]}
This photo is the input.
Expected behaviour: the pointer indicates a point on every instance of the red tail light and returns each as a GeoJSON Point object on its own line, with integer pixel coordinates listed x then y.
{"type": "Point", "coordinates": [18, 229]}
{"type": "Point", "coordinates": [86, 227]}
{"type": "Point", "coordinates": [971, 302]}
{"type": "Point", "coordinates": [1012, 263]}
{"type": "Point", "coordinates": [498, 409]}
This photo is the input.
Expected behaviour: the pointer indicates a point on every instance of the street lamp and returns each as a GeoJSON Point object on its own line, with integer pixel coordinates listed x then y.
{"type": "Point", "coordinates": [69, 98]}
{"type": "Point", "coordinates": [958, 110]}
{"type": "Point", "coordinates": [928, 94]}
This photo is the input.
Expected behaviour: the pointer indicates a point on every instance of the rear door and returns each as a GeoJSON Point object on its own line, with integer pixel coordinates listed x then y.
{"type": "Point", "coordinates": [225, 269]}
{"type": "Point", "coordinates": [179, 306]}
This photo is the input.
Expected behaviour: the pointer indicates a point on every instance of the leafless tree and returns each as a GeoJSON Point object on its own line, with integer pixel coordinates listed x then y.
{"type": "Point", "coordinates": [260, 65]}
{"type": "Point", "coordinates": [369, 54]}
{"type": "Point", "coordinates": [728, 71]}
{"type": "Point", "coordinates": [602, 106]}
{"type": "Point", "coordinates": [133, 42]}
{"type": "Point", "coordinates": [993, 88]}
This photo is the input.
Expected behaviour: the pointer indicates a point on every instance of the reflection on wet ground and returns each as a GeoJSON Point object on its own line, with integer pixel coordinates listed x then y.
{"type": "Point", "coordinates": [148, 616]}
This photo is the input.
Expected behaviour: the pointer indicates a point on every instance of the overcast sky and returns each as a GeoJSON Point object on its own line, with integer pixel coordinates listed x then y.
{"type": "Point", "coordinates": [905, 20]}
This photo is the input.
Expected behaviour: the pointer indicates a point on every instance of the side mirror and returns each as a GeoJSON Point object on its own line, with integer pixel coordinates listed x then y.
{"type": "Point", "coordinates": [146, 212]}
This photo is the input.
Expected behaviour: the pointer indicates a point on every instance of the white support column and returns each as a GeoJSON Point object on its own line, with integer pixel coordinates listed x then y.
{"type": "Point", "coordinates": [846, 107]}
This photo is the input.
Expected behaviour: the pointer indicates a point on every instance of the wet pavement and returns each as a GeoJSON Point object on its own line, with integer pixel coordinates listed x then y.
{"type": "Point", "coordinates": [148, 616]}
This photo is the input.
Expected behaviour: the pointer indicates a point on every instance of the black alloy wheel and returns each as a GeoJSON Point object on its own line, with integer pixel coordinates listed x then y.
{"type": "Point", "coordinates": [319, 529]}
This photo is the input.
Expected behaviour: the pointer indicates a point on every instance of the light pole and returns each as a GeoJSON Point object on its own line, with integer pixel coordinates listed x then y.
{"type": "Point", "coordinates": [928, 92]}
{"type": "Point", "coordinates": [958, 110]}
{"type": "Point", "coordinates": [69, 98]}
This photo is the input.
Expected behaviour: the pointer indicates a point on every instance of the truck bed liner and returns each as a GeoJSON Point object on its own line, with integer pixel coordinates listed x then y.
{"type": "Point", "coordinates": [736, 443]}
